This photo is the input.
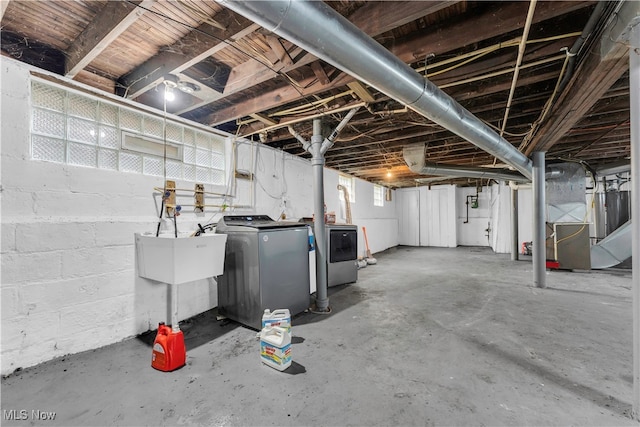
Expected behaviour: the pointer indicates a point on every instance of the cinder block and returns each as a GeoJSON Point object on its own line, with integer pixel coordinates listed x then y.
{"type": "Point", "coordinates": [25, 331]}
{"type": "Point", "coordinates": [53, 296]}
{"type": "Point", "coordinates": [29, 355]}
{"type": "Point", "coordinates": [10, 302]}
{"type": "Point", "coordinates": [8, 237]}
{"type": "Point", "coordinates": [15, 128]}
{"type": "Point", "coordinates": [50, 236]}
{"type": "Point", "coordinates": [62, 203]}
{"type": "Point", "coordinates": [114, 233]}
{"type": "Point", "coordinates": [33, 176]}
{"type": "Point", "coordinates": [16, 203]}
{"type": "Point", "coordinates": [93, 261]}
{"type": "Point", "coordinates": [30, 267]}
{"type": "Point", "coordinates": [121, 283]}
{"type": "Point", "coordinates": [15, 79]}
{"type": "Point", "coordinates": [101, 314]}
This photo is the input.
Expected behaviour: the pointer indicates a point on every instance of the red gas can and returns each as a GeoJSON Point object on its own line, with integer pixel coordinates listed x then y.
{"type": "Point", "coordinates": [169, 352]}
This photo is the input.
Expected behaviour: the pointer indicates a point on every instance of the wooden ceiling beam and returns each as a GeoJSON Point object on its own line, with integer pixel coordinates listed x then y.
{"type": "Point", "coordinates": [373, 18]}
{"type": "Point", "coordinates": [279, 50]}
{"type": "Point", "coordinates": [604, 64]}
{"type": "Point", "coordinates": [504, 18]}
{"type": "Point", "coordinates": [319, 72]}
{"type": "Point", "coordinates": [199, 44]}
{"type": "Point", "coordinates": [361, 91]}
{"type": "Point", "coordinates": [3, 7]}
{"type": "Point", "coordinates": [114, 19]}
{"type": "Point", "coordinates": [271, 99]}
{"type": "Point", "coordinates": [285, 95]}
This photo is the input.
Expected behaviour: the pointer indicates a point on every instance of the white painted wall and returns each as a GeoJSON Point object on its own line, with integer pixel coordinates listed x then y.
{"type": "Point", "coordinates": [69, 280]}
{"type": "Point", "coordinates": [408, 213]}
{"type": "Point", "coordinates": [437, 216]}
{"type": "Point", "coordinates": [427, 216]}
{"type": "Point", "coordinates": [473, 233]}
{"type": "Point", "coordinates": [500, 218]}
{"type": "Point", "coordinates": [525, 214]}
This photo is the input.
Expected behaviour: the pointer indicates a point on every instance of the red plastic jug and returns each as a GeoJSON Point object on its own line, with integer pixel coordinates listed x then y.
{"type": "Point", "coordinates": [169, 352]}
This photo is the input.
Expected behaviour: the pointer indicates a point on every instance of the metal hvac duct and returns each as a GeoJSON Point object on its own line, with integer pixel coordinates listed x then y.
{"type": "Point", "coordinates": [317, 28]}
{"type": "Point", "coordinates": [414, 156]}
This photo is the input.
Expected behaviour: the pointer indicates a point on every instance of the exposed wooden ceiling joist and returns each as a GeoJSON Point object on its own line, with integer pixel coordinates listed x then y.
{"type": "Point", "coordinates": [593, 78]}
{"type": "Point", "coordinates": [245, 72]}
{"type": "Point", "coordinates": [199, 44]}
{"type": "Point", "coordinates": [113, 20]}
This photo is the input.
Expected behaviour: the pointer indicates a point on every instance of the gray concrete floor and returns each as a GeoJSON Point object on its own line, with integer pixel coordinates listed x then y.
{"type": "Point", "coordinates": [425, 337]}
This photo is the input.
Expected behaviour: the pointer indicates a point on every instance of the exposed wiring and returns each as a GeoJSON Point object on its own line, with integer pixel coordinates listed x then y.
{"type": "Point", "coordinates": [547, 107]}
{"type": "Point", "coordinates": [516, 69]}
{"type": "Point", "coordinates": [506, 132]}
{"type": "Point", "coordinates": [493, 48]}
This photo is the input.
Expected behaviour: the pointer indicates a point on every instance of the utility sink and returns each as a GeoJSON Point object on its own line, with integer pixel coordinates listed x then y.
{"type": "Point", "coordinates": [179, 260]}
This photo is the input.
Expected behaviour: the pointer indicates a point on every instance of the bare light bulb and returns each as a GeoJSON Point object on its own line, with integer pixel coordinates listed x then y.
{"type": "Point", "coordinates": [168, 93]}
{"type": "Point", "coordinates": [389, 174]}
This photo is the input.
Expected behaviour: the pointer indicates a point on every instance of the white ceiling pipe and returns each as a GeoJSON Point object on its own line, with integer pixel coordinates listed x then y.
{"type": "Point", "coordinates": [317, 28]}
{"type": "Point", "coordinates": [414, 156]}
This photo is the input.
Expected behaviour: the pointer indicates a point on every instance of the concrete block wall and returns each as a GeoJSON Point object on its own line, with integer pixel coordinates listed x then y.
{"type": "Point", "coordinates": [69, 280]}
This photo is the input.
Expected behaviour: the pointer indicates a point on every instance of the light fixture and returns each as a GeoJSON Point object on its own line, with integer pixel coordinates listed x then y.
{"type": "Point", "coordinates": [188, 87]}
{"type": "Point", "coordinates": [170, 82]}
{"type": "Point", "coordinates": [389, 174]}
{"type": "Point", "coordinates": [168, 93]}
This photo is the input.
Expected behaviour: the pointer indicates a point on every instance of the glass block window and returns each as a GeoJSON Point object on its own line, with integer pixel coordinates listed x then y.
{"type": "Point", "coordinates": [378, 195]}
{"type": "Point", "coordinates": [350, 184]}
{"type": "Point", "coordinates": [77, 129]}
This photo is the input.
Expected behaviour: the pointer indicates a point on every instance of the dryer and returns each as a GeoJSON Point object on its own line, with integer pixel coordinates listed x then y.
{"type": "Point", "coordinates": [342, 254]}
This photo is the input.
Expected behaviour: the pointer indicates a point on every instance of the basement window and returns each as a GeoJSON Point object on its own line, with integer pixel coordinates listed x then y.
{"type": "Point", "coordinates": [148, 145]}
{"type": "Point", "coordinates": [378, 195]}
{"type": "Point", "coordinates": [349, 183]}
{"type": "Point", "coordinates": [74, 128]}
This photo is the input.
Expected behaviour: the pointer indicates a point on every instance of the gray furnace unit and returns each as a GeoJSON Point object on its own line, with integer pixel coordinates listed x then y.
{"type": "Point", "coordinates": [266, 266]}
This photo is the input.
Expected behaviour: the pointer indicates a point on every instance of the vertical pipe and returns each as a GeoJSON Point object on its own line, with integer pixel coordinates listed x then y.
{"type": "Point", "coordinates": [317, 163]}
{"type": "Point", "coordinates": [634, 77]}
{"type": "Point", "coordinates": [539, 226]}
{"type": "Point", "coordinates": [175, 327]}
{"type": "Point", "coordinates": [514, 224]}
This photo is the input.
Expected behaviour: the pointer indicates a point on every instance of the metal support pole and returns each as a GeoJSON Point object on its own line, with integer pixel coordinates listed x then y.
{"type": "Point", "coordinates": [539, 226]}
{"type": "Point", "coordinates": [514, 224]}
{"type": "Point", "coordinates": [317, 163]}
{"type": "Point", "coordinates": [175, 327]}
{"type": "Point", "coordinates": [634, 78]}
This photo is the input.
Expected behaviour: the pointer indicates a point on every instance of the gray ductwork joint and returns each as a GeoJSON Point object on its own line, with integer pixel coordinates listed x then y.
{"type": "Point", "coordinates": [414, 156]}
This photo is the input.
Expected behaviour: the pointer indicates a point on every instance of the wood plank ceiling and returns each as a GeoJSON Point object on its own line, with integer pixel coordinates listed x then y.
{"type": "Point", "coordinates": [249, 81]}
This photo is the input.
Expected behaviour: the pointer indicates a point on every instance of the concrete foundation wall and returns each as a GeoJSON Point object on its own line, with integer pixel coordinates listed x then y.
{"type": "Point", "coordinates": [69, 280]}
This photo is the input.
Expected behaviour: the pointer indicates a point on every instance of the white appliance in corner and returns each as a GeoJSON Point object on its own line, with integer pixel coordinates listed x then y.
{"type": "Point", "coordinates": [312, 262]}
